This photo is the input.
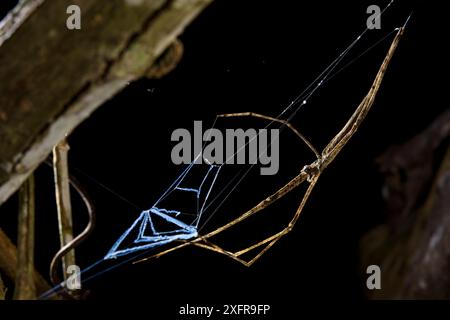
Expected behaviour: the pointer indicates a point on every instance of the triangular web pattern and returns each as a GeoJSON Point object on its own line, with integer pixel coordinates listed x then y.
{"type": "Point", "coordinates": [174, 216]}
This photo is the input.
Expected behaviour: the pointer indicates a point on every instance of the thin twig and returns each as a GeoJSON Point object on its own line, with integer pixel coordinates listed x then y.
{"type": "Point", "coordinates": [63, 202]}
{"type": "Point", "coordinates": [25, 287]}
{"type": "Point", "coordinates": [80, 237]}
{"type": "Point", "coordinates": [8, 263]}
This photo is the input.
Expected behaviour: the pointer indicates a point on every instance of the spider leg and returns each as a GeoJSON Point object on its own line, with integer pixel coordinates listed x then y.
{"type": "Point", "coordinates": [281, 121]}
{"type": "Point", "coordinates": [268, 242]}
{"type": "Point", "coordinates": [215, 248]}
{"type": "Point", "coordinates": [274, 238]}
{"type": "Point", "coordinates": [352, 125]}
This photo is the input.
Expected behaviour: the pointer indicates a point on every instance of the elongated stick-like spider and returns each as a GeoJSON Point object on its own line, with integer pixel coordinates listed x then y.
{"type": "Point", "coordinates": [309, 174]}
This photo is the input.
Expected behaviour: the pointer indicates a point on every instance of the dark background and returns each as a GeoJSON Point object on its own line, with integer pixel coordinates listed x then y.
{"type": "Point", "coordinates": [255, 56]}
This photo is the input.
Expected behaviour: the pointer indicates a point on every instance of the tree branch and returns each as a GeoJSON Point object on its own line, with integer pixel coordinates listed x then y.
{"type": "Point", "coordinates": [8, 263]}
{"type": "Point", "coordinates": [24, 286]}
{"type": "Point", "coordinates": [64, 206]}
{"type": "Point", "coordinates": [53, 78]}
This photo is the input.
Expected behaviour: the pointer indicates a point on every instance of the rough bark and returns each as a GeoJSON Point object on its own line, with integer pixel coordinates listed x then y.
{"type": "Point", "coordinates": [25, 288]}
{"type": "Point", "coordinates": [53, 78]}
{"type": "Point", "coordinates": [413, 247]}
{"type": "Point", "coordinates": [8, 263]}
{"type": "Point", "coordinates": [64, 204]}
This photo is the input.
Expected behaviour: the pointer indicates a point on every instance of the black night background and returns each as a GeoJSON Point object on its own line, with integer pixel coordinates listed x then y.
{"type": "Point", "coordinates": [254, 56]}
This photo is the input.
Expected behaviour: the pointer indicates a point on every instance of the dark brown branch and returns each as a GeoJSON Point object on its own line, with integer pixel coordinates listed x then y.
{"type": "Point", "coordinates": [8, 263]}
{"type": "Point", "coordinates": [2, 289]}
{"type": "Point", "coordinates": [413, 246]}
{"type": "Point", "coordinates": [24, 286]}
{"type": "Point", "coordinates": [53, 78]}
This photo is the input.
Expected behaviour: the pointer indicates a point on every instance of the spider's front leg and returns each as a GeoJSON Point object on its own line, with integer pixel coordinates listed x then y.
{"type": "Point", "coordinates": [281, 121]}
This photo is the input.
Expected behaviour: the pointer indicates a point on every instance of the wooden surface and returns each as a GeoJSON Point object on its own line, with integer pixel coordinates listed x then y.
{"type": "Point", "coordinates": [8, 263]}
{"type": "Point", "coordinates": [52, 78]}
